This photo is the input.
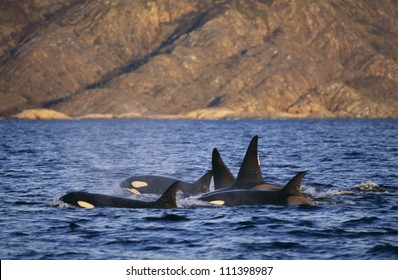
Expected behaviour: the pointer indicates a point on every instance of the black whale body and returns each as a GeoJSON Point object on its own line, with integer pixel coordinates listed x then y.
{"type": "Point", "coordinates": [151, 184]}
{"type": "Point", "coordinates": [289, 195]}
{"type": "Point", "coordinates": [91, 200]}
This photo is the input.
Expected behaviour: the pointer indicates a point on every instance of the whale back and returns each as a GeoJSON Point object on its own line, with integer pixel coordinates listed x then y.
{"type": "Point", "coordinates": [92, 200]}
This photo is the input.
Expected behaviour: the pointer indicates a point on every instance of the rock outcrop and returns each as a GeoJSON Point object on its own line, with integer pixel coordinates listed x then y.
{"type": "Point", "coordinates": [41, 114]}
{"type": "Point", "coordinates": [200, 59]}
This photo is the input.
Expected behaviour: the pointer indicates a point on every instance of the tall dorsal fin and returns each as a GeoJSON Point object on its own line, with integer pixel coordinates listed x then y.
{"type": "Point", "coordinates": [205, 180]}
{"type": "Point", "coordinates": [250, 173]}
{"type": "Point", "coordinates": [169, 197]}
{"type": "Point", "coordinates": [221, 174]}
{"type": "Point", "coordinates": [294, 185]}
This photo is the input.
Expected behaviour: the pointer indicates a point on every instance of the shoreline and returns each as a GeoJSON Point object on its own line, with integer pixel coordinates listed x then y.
{"type": "Point", "coordinates": [222, 114]}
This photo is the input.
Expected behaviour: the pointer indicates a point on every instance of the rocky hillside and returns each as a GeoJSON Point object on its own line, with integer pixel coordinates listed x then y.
{"type": "Point", "coordinates": [200, 59]}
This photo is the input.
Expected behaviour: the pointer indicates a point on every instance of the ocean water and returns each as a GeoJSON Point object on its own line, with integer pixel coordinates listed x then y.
{"type": "Point", "coordinates": [352, 176]}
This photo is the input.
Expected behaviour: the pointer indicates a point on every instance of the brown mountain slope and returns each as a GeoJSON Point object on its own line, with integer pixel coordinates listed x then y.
{"type": "Point", "coordinates": [202, 58]}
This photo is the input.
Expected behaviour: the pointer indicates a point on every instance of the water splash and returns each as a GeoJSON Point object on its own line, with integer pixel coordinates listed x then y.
{"type": "Point", "coordinates": [367, 186]}
{"type": "Point", "coordinates": [333, 191]}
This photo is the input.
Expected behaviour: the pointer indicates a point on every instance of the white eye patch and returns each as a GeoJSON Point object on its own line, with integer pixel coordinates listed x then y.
{"type": "Point", "coordinates": [138, 184]}
{"type": "Point", "coordinates": [218, 202]}
{"type": "Point", "coordinates": [84, 204]}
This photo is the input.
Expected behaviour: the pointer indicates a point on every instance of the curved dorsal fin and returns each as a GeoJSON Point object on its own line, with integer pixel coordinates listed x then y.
{"type": "Point", "coordinates": [205, 179]}
{"type": "Point", "coordinates": [250, 173]}
{"type": "Point", "coordinates": [169, 197]}
{"type": "Point", "coordinates": [222, 175]}
{"type": "Point", "coordinates": [294, 185]}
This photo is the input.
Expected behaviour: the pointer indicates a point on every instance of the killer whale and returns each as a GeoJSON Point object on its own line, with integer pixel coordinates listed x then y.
{"type": "Point", "coordinates": [149, 184]}
{"type": "Point", "coordinates": [91, 200]}
{"type": "Point", "coordinates": [249, 176]}
{"type": "Point", "coordinates": [289, 195]}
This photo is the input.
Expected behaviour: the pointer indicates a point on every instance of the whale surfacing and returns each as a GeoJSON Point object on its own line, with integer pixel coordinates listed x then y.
{"type": "Point", "coordinates": [290, 195]}
{"type": "Point", "coordinates": [249, 176]}
{"type": "Point", "coordinates": [92, 200]}
{"type": "Point", "coordinates": [150, 184]}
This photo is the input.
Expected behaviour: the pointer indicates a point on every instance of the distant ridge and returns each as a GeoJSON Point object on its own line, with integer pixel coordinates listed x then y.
{"type": "Point", "coordinates": [200, 59]}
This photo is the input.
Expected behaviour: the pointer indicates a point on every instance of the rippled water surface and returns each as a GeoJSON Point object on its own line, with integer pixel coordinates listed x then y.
{"type": "Point", "coordinates": [352, 175]}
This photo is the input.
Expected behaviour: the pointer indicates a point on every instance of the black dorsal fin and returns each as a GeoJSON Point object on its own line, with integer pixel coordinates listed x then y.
{"type": "Point", "coordinates": [169, 197]}
{"type": "Point", "coordinates": [204, 181]}
{"type": "Point", "coordinates": [294, 185]}
{"type": "Point", "coordinates": [250, 173]}
{"type": "Point", "coordinates": [222, 175]}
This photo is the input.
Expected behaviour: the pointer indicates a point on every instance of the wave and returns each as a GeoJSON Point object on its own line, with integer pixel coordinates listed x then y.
{"type": "Point", "coordinates": [362, 220]}
{"type": "Point", "coordinates": [385, 250]}
{"type": "Point", "coordinates": [168, 218]}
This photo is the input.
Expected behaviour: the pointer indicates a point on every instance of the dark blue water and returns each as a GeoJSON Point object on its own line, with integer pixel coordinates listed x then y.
{"type": "Point", "coordinates": [352, 175]}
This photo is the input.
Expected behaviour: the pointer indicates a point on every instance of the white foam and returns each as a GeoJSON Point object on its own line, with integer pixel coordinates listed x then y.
{"type": "Point", "coordinates": [334, 191]}
{"type": "Point", "coordinates": [309, 190]}
{"type": "Point", "coordinates": [367, 186]}
{"type": "Point", "coordinates": [61, 204]}
{"type": "Point", "coordinates": [193, 201]}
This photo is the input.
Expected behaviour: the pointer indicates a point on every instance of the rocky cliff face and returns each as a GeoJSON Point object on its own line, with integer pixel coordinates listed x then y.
{"type": "Point", "coordinates": [200, 59]}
